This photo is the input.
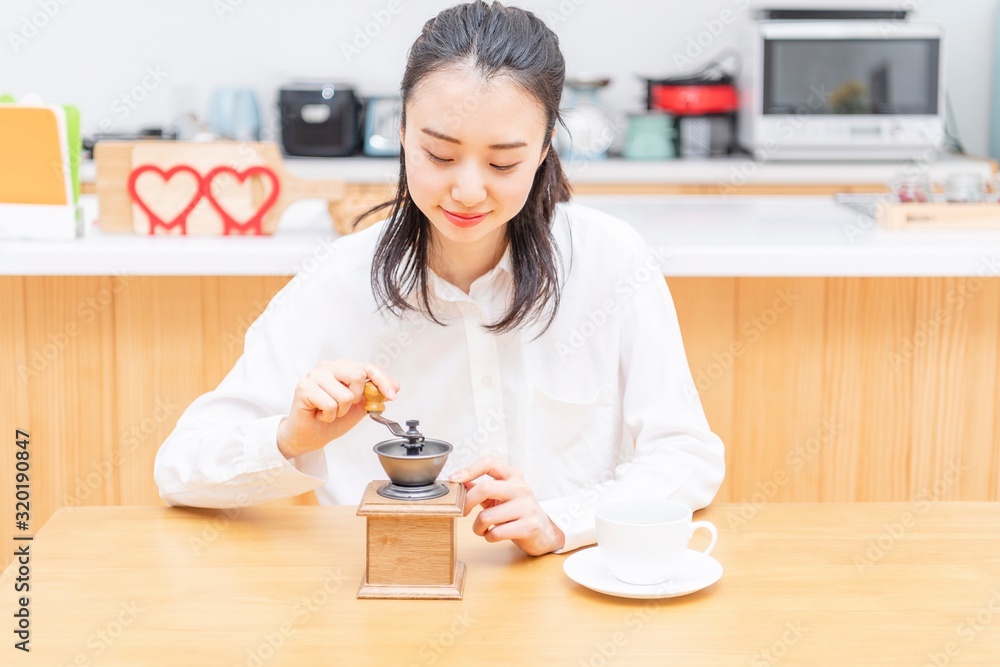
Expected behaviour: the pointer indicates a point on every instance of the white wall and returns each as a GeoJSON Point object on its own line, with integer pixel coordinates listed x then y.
{"type": "Point", "coordinates": [94, 52]}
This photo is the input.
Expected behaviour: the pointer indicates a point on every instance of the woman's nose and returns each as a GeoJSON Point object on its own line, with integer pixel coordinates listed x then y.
{"type": "Point", "coordinates": [469, 188]}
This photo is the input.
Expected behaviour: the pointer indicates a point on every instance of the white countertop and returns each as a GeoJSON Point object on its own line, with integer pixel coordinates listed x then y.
{"type": "Point", "coordinates": [723, 171]}
{"type": "Point", "coordinates": [697, 236]}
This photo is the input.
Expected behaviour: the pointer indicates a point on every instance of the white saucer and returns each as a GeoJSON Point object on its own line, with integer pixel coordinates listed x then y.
{"type": "Point", "coordinates": [587, 568]}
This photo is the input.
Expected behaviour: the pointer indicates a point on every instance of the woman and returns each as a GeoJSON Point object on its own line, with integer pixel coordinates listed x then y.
{"type": "Point", "coordinates": [537, 336]}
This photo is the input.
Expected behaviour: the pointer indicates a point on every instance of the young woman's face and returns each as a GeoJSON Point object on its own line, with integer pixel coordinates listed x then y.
{"type": "Point", "coordinates": [472, 148]}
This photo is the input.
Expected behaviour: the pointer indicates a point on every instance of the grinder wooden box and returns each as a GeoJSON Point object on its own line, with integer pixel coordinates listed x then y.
{"type": "Point", "coordinates": [411, 551]}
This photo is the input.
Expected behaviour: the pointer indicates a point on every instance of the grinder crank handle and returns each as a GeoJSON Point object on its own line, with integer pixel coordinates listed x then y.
{"type": "Point", "coordinates": [375, 406]}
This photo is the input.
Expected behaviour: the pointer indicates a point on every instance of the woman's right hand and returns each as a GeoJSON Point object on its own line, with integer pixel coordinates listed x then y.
{"type": "Point", "coordinates": [328, 403]}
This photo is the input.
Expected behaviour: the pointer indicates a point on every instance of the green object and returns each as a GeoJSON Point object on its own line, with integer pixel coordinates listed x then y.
{"type": "Point", "coordinates": [6, 98]}
{"type": "Point", "coordinates": [75, 147]}
{"type": "Point", "coordinates": [650, 137]}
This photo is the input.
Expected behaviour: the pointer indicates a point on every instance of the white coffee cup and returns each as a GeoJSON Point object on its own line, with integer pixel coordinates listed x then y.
{"type": "Point", "coordinates": [644, 541]}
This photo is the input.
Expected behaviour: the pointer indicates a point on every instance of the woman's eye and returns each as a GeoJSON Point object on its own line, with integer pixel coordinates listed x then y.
{"type": "Point", "coordinates": [504, 167]}
{"type": "Point", "coordinates": [435, 158]}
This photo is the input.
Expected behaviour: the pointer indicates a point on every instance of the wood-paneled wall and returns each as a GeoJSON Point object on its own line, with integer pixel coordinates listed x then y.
{"type": "Point", "coordinates": [821, 388]}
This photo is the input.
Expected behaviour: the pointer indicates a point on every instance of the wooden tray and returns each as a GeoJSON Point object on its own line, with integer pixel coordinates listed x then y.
{"type": "Point", "coordinates": [939, 215]}
{"type": "Point", "coordinates": [115, 162]}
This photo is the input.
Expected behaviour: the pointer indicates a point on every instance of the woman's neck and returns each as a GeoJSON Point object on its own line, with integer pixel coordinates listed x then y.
{"type": "Point", "coordinates": [462, 263]}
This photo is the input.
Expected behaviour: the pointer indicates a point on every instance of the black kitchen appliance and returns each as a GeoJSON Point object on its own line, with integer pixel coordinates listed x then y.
{"type": "Point", "coordinates": [319, 119]}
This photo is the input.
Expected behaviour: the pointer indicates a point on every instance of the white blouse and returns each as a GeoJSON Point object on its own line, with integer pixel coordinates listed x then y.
{"type": "Point", "coordinates": [600, 406]}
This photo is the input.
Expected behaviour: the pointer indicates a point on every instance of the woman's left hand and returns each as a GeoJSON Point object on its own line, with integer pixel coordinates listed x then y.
{"type": "Point", "coordinates": [510, 510]}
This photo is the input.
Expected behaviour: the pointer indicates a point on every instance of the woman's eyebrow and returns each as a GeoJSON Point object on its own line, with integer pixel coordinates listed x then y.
{"type": "Point", "coordinates": [445, 137]}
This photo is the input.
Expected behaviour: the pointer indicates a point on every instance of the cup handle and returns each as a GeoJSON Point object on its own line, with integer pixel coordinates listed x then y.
{"type": "Point", "coordinates": [710, 527]}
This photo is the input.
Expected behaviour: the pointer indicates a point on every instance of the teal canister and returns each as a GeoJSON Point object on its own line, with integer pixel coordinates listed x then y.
{"type": "Point", "coordinates": [650, 136]}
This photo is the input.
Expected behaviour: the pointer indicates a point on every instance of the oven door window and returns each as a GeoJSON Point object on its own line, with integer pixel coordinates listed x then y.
{"type": "Point", "coordinates": [851, 76]}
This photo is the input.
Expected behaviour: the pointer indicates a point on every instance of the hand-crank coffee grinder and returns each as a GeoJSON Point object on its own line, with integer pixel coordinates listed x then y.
{"type": "Point", "coordinates": [411, 518]}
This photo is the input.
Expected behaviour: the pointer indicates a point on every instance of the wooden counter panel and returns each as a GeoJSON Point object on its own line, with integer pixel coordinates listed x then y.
{"type": "Point", "coordinates": [865, 397]}
{"type": "Point", "coordinates": [837, 397]}
{"type": "Point", "coordinates": [954, 345]}
{"type": "Point", "coordinates": [706, 309]}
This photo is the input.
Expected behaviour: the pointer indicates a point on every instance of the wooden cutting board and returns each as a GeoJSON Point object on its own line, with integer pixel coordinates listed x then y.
{"type": "Point", "coordinates": [170, 182]}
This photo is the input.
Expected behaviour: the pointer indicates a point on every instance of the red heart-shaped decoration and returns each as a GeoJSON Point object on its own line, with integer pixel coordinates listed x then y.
{"type": "Point", "coordinates": [253, 224]}
{"type": "Point", "coordinates": [154, 219]}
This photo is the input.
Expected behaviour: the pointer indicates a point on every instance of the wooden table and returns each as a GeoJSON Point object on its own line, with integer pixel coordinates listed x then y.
{"type": "Point", "coordinates": [804, 584]}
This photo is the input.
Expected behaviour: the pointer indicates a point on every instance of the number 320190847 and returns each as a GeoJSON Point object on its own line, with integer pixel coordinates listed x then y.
{"type": "Point", "coordinates": [22, 480]}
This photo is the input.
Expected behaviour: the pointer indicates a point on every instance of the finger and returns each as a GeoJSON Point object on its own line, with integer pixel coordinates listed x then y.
{"type": "Point", "coordinates": [496, 515]}
{"type": "Point", "coordinates": [498, 491]}
{"type": "Point", "coordinates": [484, 465]}
{"type": "Point", "coordinates": [313, 399]}
{"type": "Point", "coordinates": [381, 380]}
{"type": "Point", "coordinates": [519, 529]}
{"type": "Point", "coordinates": [350, 374]}
{"type": "Point", "coordinates": [337, 391]}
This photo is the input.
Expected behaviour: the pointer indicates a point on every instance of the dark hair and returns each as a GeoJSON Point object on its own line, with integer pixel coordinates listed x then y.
{"type": "Point", "coordinates": [493, 40]}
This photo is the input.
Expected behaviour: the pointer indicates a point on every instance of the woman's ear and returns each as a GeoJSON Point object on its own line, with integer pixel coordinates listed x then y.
{"type": "Point", "coordinates": [545, 153]}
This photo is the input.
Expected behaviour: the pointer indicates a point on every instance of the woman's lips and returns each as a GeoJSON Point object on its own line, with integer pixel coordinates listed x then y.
{"type": "Point", "coordinates": [464, 220]}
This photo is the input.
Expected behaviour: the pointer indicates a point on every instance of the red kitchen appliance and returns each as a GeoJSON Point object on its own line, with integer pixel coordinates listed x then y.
{"type": "Point", "coordinates": [704, 107]}
{"type": "Point", "coordinates": [692, 97]}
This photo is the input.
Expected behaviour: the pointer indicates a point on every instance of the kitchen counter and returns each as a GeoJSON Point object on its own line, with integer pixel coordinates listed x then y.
{"type": "Point", "coordinates": [696, 236]}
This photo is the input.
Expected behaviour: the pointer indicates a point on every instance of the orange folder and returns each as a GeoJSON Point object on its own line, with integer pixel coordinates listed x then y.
{"type": "Point", "coordinates": [32, 156]}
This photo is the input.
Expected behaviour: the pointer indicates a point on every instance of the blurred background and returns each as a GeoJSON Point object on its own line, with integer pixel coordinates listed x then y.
{"type": "Point", "coordinates": [94, 54]}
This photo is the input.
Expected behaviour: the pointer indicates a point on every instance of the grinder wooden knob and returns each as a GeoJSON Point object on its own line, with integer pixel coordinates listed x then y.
{"type": "Point", "coordinates": [374, 400]}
